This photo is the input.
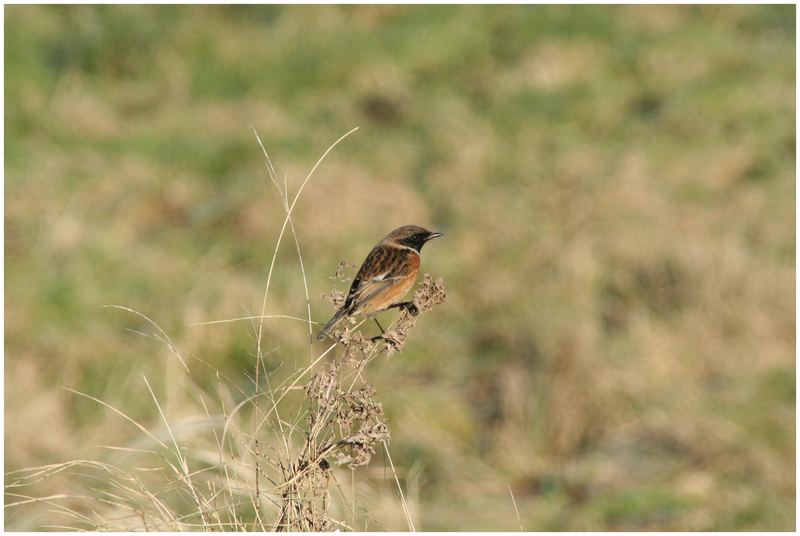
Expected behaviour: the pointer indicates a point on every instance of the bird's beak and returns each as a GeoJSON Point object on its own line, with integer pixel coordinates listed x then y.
{"type": "Point", "coordinates": [431, 236]}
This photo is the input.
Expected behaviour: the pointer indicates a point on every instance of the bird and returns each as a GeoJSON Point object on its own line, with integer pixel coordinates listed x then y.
{"type": "Point", "coordinates": [385, 276]}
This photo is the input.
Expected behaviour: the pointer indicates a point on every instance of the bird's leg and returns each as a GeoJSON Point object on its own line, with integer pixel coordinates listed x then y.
{"type": "Point", "coordinates": [379, 325]}
{"type": "Point", "coordinates": [383, 331]}
{"type": "Point", "coordinates": [406, 305]}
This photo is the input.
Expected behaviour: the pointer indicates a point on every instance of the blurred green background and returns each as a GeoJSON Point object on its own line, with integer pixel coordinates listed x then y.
{"type": "Point", "coordinates": [617, 187]}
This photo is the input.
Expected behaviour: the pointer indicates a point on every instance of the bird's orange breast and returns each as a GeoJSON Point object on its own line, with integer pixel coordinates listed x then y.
{"type": "Point", "coordinates": [395, 292]}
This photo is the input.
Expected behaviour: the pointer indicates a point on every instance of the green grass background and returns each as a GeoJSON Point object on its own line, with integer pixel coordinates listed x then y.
{"type": "Point", "coordinates": [616, 184]}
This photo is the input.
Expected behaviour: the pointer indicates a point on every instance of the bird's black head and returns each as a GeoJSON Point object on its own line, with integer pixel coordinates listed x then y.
{"type": "Point", "coordinates": [411, 236]}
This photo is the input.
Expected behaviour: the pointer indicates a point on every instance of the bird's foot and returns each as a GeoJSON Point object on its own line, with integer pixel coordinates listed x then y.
{"type": "Point", "coordinates": [409, 306]}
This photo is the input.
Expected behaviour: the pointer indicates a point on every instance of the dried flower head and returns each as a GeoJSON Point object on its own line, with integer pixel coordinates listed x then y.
{"type": "Point", "coordinates": [429, 294]}
{"type": "Point", "coordinates": [341, 271]}
{"type": "Point", "coordinates": [336, 297]}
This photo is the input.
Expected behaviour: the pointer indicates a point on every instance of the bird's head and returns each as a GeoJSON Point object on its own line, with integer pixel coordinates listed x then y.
{"type": "Point", "coordinates": [411, 236]}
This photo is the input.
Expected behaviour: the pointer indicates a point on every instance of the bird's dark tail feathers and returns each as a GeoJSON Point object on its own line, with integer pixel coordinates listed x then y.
{"type": "Point", "coordinates": [338, 317]}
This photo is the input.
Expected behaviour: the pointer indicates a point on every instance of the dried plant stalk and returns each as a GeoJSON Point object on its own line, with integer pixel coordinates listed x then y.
{"type": "Point", "coordinates": [344, 424]}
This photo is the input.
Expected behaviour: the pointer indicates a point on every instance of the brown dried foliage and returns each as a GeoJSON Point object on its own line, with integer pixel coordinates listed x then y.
{"type": "Point", "coordinates": [344, 424]}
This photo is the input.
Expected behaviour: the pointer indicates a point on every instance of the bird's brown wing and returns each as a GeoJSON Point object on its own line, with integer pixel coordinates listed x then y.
{"type": "Point", "coordinates": [384, 267]}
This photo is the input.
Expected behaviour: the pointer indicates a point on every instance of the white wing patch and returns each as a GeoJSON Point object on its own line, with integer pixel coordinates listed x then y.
{"type": "Point", "coordinates": [380, 277]}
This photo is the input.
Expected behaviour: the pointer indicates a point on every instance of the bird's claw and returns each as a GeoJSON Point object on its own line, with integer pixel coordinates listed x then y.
{"type": "Point", "coordinates": [412, 309]}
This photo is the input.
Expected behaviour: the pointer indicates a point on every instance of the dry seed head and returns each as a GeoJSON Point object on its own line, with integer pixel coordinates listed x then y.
{"type": "Point", "coordinates": [429, 294]}
{"type": "Point", "coordinates": [336, 297]}
{"type": "Point", "coordinates": [359, 405]}
{"type": "Point", "coordinates": [341, 271]}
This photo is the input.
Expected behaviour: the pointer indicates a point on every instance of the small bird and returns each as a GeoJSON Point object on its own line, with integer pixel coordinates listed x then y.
{"type": "Point", "coordinates": [385, 277]}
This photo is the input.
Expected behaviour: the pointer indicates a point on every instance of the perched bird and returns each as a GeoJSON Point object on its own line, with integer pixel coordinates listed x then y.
{"type": "Point", "coordinates": [387, 273]}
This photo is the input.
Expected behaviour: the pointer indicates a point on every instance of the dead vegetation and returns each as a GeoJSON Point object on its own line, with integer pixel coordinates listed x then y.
{"type": "Point", "coordinates": [206, 473]}
{"type": "Point", "coordinates": [345, 423]}
{"type": "Point", "coordinates": [210, 472]}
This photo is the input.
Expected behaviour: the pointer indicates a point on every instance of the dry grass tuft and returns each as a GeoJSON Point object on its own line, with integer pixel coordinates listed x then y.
{"type": "Point", "coordinates": [213, 472]}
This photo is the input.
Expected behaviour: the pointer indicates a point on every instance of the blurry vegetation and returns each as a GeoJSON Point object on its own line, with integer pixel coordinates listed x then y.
{"type": "Point", "coordinates": [617, 188]}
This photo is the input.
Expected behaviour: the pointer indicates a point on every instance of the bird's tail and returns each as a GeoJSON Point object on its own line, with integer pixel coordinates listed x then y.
{"type": "Point", "coordinates": [338, 317]}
